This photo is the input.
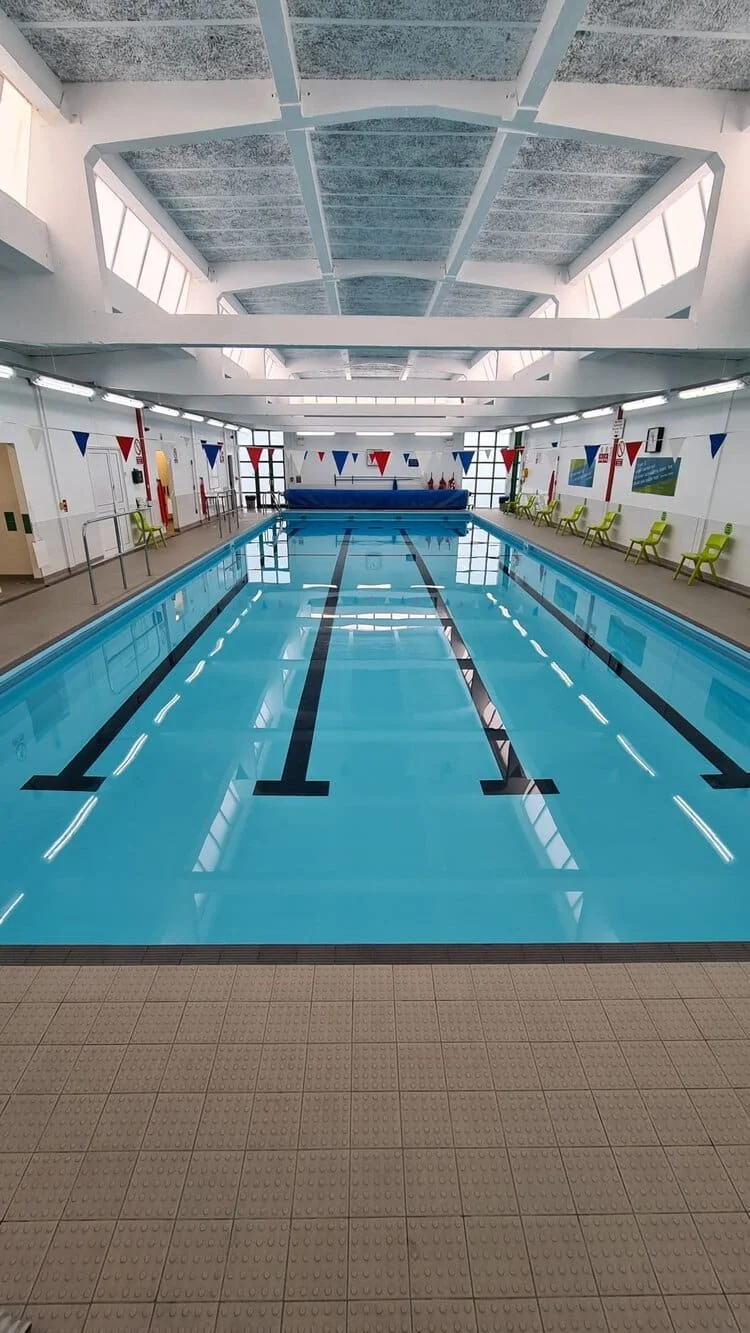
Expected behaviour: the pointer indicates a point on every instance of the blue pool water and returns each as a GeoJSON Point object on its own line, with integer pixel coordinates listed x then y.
{"type": "Point", "coordinates": [363, 730]}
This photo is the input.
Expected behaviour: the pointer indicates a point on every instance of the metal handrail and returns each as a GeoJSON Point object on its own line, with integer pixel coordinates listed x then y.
{"type": "Point", "coordinates": [226, 506]}
{"type": "Point", "coordinates": [101, 518]}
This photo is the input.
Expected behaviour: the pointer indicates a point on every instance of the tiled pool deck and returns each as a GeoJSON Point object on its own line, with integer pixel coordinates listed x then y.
{"type": "Point", "coordinates": [402, 1149]}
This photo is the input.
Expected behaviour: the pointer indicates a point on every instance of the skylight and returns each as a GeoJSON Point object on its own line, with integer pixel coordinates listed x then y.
{"type": "Point", "coordinates": [15, 139]}
{"type": "Point", "coordinates": [137, 256]}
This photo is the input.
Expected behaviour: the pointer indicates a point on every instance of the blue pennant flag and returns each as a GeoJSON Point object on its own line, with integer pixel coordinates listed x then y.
{"type": "Point", "coordinates": [467, 457]}
{"type": "Point", "coordinates": [454, 454]}
{"type": "Point", "coordinates": [305, 456]}
{"type": "Point", "coordinates": [81, 438]}
{"type": "Point", "coordinates": [339, 457]}
{"type": "Point", "coordinates": [716, 442]}
{"type": "Point", "coordinates": [355, 457]}
{"type": "Point", "coordinates": [591, 450]}
{"type": "Point", "coordinates": [554, 444]}
{"type": "Point", "coordinates": [211, 451]}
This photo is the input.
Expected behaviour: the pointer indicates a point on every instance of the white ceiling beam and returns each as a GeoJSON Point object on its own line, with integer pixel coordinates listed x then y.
{"type": "Point", "coordinates": [679, 121]}
{"type": "Point", "coordinates": [338, 101]}
{"type": "Point", "coordinates": [541, 279]}
{"type": "Point", "coordinates": [24, 239]}
{"type": "Point", "coordinates": [553, 35]}
{"type": "Point", "coordinates": [20, 64]}
{"type": "Point", "coordinates": [244, 274]}
{"type": "Point", "coordinates": [37, 328]}
{"type": "Point", "coordinates": [122, 117]}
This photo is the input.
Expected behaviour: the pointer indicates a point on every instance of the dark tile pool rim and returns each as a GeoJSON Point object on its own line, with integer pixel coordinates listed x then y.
{"type": "Point", "coordinates": [79, 955]}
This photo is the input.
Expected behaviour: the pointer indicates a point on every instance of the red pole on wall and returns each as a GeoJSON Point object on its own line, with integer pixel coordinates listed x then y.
{"type": "Point", "coordinates": [617, 433]}
{"type": "Point", "coordinates": [144, 459]}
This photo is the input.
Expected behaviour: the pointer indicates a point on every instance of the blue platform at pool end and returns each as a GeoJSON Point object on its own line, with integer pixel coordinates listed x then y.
{"type": "Point", "coordinates": [345, 497]}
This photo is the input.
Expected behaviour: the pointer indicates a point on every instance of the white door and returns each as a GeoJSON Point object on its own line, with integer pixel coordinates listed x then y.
{"type": "Point", "coordinates": [105, 472]}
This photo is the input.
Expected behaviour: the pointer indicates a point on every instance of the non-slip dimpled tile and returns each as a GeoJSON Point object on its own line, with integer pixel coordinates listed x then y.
{"type": "Point", "coordinates": [443, 1317]}
{"type": "Point", "coordinates": [416, 1021]}
{"type": "Point", "coordinates": [22, 1121]}
{"type": "Point", "coordinates": [438, 1260]}
{"type": "Point", "coordinates": [266, 1184]}
{"type": "Point", "coordinates": [502, 1021]}
{"type": "Point", "coordinates": [46, 1185]}
{"type": "Point", "coordinates": [636, 1314]}
{"type": "Point", "coordinates": [378, 1267]}
{"type": "Point", "coordinates": [274, 1122]}
{"type": "Point", "coordinates": [211, 1184]}
{"type": "Point", "coordinates": [23, 1246]}
{"type": "Point", "coordinates": [431, 1182]}
{"type": "Point", "coordinates": [28, 1023]}
{"type": "Point", "coordinates": [571, 1315]}
{"type": "Point", "coordinates": [195, 1261]}
{"type": "Point", "coordinates": [253, 983]}
{"type": "Point", "coordinates": [245, 1023]}
{"type": "Point", "coordinates": [726, 1237]}
{"type": "Point", "coordinates": [475, 1120]}
{"type": "Point", "coordinates": [201, 1021]}
{"type": "Point", "coordinates": [257, 1260]}
{"type": "Point", "coordinates": [71, 1023]}
{"type": "Point", "coordinates": [498, 1257]}
{"type": "Point", "coordinates": [420, 1066]}
{"type": "Point", "coordinates": [512, 1066]}
{"type": "Point", "coordinates": [122, 1123]}
{"type": "Point", "coordinates": [525, 1120]}
{"type": "Point", "coordinates": [188, 1069]}
{"type": "Point", "coordinates": [246, 1317]}
{"type": "Point", "coordinates": [100, 1186]}
{"type": "Point", "coordinates": [704, 1314]}
{"type": "Point", "coordinates": [325, 1121]}
{"type": "Point", "coordinates": [12, 1167]}
{"type": "Point", "coordinates": [558, 1255]}
{"type": "Point", "coordinates": [493, 981]}
{"type": "Point", "coordinates": [330, 1021]}
{"type": "Point", "coordinates": [156, 1185]}
{"type": "Point", "coordinates": [224, 1121]}
{"type": "Point", "coordinates": [425, 1120]}
{"type": "Point", "coordinates": [586, 1019]}
{"type": "Point", "coordinates": [293, 982]}
{"type": "Point", "coordinates": [558, 1065]}
{"type": "Point", "coordinates": [235, 1068]}
{"type": "Point", "coordinates": [650, 1064]}
{"type": "Point", "coordinates": [134, 1262]}
{"type": "Point", "coordinates": [375, 1120]}
{"type": "Point", "coordinates": [213, 983]}
{"type": "Point", "coordinates": [575, 1119]}
{"type": "Point", "coordinates": [376, 1183]}
{"type": "Point", "coordinates": [413, 982]}
{"type": "Point", "coordinates": [71, 1126]}
{"type": "Point", "coordinates": [618, 1256]}
{"type": "Point", "coordinates": [467, 1067]}
{"type": "Point", "coordinates": [486, 1182]}
{"type": "Point", "coordinates": [374, 1067]}
{"type": "Point", "coordinates": [373, 982]}
{"type": "Point", "coordinates": [724, 1117]}
{"type": "Point", "coordinates": [374, 1021]}
{"type": "Point", "coordinates": [625, 1118]}
{"type": "Point", "coordinates": [141, 1068]}
{"type": "Point", "coordinates": [105, 1317]}
{"type": "Point", "coordinates": [73, 1262]}
{"type": "Point", "coordinates": [48, 1069]}
{"type": "Point", "coordinates": [333, 982]}
{"type": "Point", "coordinates": [379, 1317]}
{"type": "Point", "coordinates": [95, 1069]}
{"type": "Point", "coordinates": [604, 1064]}
{"type": "Point", "coordinates": [649, 1180]}
{"type": "Point", "coordinates": [677, 1254]}
{"type": "Point", "coordinates": [459, 1020]}
{"type": "Point", "coordinates": [328, 1067]}
{"type": "Point", "coordinates": [540, 1180]}
{"type": "Point", "coordinates": [317, 1264]}
{"type": "Point", "coordinates": [287, 1020]}
{"type": "Point", "coordinates": [703, 1180]}
{"type": "Point", "coordinates": [174, 1121]}
{"type": "Point", "coordinates": [322, 1183]}
{"type": "Point", "coordinates": [674, 1117]}
{"type": "Point", "coordinates": [131, 983]}
{"type": "Point", "coordinates": [314, 1317]}
{"type": "Point", "coordinates": [595, 1181]}
{"type": "Point", "coordinates": [171, 983]}
{"type": "Point", "coordinates": [115, 1023]}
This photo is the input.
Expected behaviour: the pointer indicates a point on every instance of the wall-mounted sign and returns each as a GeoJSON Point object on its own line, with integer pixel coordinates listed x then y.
{"type": "Point", "coordinates": [654, 440]}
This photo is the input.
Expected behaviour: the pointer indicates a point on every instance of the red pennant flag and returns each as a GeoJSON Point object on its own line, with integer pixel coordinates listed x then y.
{"type": "Point", "coordinates": [321, 455]}
{"type": "Point", "coordinates": [631, 449]}
{"type": "Point", "coordinates": [126, 444]}
{"type": "Point", "coordinates": [381, 457]}
{"type": "Point", "coordinates": [254, 456]}
{"type": "Point", "coordinates": [508, 455]}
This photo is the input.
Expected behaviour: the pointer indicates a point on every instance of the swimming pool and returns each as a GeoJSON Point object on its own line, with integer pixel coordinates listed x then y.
{"type": "Point", "coordinates": [350, 729]}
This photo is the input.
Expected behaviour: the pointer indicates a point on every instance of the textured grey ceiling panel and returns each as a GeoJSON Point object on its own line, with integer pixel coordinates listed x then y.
{"type": "Point", "coordinates": [293, 298]}
{"type": "Point", "coordinates": [146, 51]}
{"type": "Point", "coordinates": [417, 11]}
{"type": "Point", "coordinates": [384, 296]}
{"type": "Point", "coordinates": [663, 58]}
{"type": "Point", "coordinates": [129, 11]}
{"type": "Point", "coordinates": [223, 254]}
{"type": "Point", "coordinates": [261, 182]}
{"type": "Point", "coordinates": [403, 143]}
{"type": "Point", "coordinates": [572, 155]}
{"type": "Point", "coordinates": [455, 50]}
{"type": "Point", "coordinates": [468, 298]}
{"type": "Point", "coordinates": [395, 248]}
{"type": "Point", "coordinates": [424, 183]}
{"type": "Point", "coordinates": [252, 150]}
{"type": "Point", "coordinates": [670, 15]}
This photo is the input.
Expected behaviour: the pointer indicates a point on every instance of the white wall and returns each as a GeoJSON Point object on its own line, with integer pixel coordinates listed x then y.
{"type": "Point", "coordinates": [40, 424]}
{"type": "Point", "coordinates": [435, 458]}
{"type": "Point", "coordinates": [710, 491]}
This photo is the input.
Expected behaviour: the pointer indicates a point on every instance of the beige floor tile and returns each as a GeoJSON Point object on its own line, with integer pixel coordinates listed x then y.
{"type": "Point", "coordinates": [115, 1022]}
{"type": "Point", "coordinates": [734, 1058]}
{"type": "Point", "coordinates": [257, 1261]}
{"type": "Point", "coordinates": [174, 1121]}
{"type": "Point", "coordinates": [533, 981]}
{"type": "Point", "coordinates": [195, 1261]}
{"type": "Point", "coordinates": [674, 1117]}
{"type": "Point", "coordinates": [376, 1183]}
{"type": "Point", "coordinates": [420, 1066]}
{"type": "Point", "coordinates": [426, 1120]}
{"type": "Point", "coordinates": [458, 1020]}
{"type": "Point", "coordinates": [23, 1119]}
{"type": "Point", "coordinates": [649, 1180]}
{"type": "Point", "coordinates": [379, 1317]}
{"type": "Point", "coordinates": [188, 1069]}
{"type": "Point", "coordinates": [690, 979]}
{"type": "Point", "coordinates": [714, 1020]}
{"type": "Point", "coordinates": [95, 1069]}
{"type": "Point", "coordinates": [558, 1065]}
{"type": "Point", "coordinates": [103, 1316]}
{"type": "Point", "coordinates": [235, 1068]}
{"type": "Point", "coordinates": [498, 1257]}
{"type": "Point", "coordinates": [73, 1262]}
{"type": "Point", "coordinates": [330, 1021]}
{"type": "Point", "coordinates": [431, 1182]}
{"type": "Point", "coordinates": [486, 1182]}
{"type": "Point", "coordinates": [625, 1118]}
{"type": "Point", "coordinates": [44, 1190]}
{"type": "Point", "coordinates": [502, 1021]}
{"type": "Point", "coordinates": [374, 1020]}
{"type": "Point", "coordinates": [202, 1021]}
{"type": "Point", "coordinates": [475, 1120]}
{"type": "Point", "coordinates": [558, 1256]}
{"type": "Point", "coordinates": [373, 983]}
{"type": "Point", "coordinates": [741, 1010]}
{"type": "Point", "coordinates": [28, 1024]}
{"type": "Point", "coordinates": [441, 1316]}
{"type": "Point", "coordinates": [511, 1316]}
{"type": "Point", "coordinates": [293, 982]}
{"type": "Point", "coordinates": [512, 1066]}
{"type": "Point", "coordinates": [586, 1019]}
{"type": "Point", "coordinates": [100, 1186]}
{"type": "Point", "coordinates": [585, 1315]}
{"type": "Point", "coordinates": [629, 1020]}
{"type": "Point", "coordinates": [595, 1182]}
{"type": "Point", "coordinates": [575, 1119]}
{"type": "Point", "coordinates": [314, 1317]}
{"type": "Point", "coordinates": [724, 1117]}
{"type": "Point", "coordinates": [133, 1267]}
{"type": "Point", "coordinates": [453, 981]}
{"type": "Point", "coordinates": [213, 983]}
{"type": "Point", "coordinates": [334, 982]}
{"type": "Point", "coordinates": [13, 1061]}
{"type": "Point", "coordinates": [171, 983]}
{"type": "Point", "coordinates": [71, 1126]}
{"type": "Point", "coordinates": [413, 982]}
{"type": "Point", "coordinates": [525, 1120]}
{"type": "Point", "coordinates": [141, 1068]}
{"type": "Point", "coordinates": [736, 1161]}
{"type": "Point", "coordinates": [378, 1264]}
{"type": "Point", "coordinates": [612, 981]}
{"type": "Point", "coordinates": [48, 1069]}
{"type": "Point", "coordinates": [226, 1119]}
{"type": "Point", "coordinates": [56, 1318]}
{"type": "Point", "coordinates": [438, 1258]}
{"type": "Point", "coordinates": [652, 981]}
{"type": "Point", "coordinates": [618, 1256]}
{"type": "Point", "coordinates": [23, 1246]}
{"type": "Point", "coordinates": [328, 1067]}
{"type": "Point", "coordinates": [672, 1020]}
{"type": "Point", "coordinates": [604, 1065]}
{"type": "Point", "coordinates": [322, 1183]}
{"type": "Point", "coordinates": [739, 1306]}
{"type": "Point", "coordinates": [325, 1121]}
{"type": "Point", "coordinates": [688, 1313]}
{"type": "Point", "coordinates": [572, 982]}
{"type": "Point", "coordinates": [245, 1023]}
{"type": "Point", "coordinates": [493, 981]}
{"type": "Point", "coordinates": [726, 1237]}
{"type": "Point", "coordinates": [253, 983]}
{"type": "Point", "coordinates": [156, 1186]}
{"type": "Point", "coordinates": [282, 1067]}
{"type": "Point", "coordinates": [730, 979]}
{"type": "Point", "coordinates": [375, 1120]}
{"type": "Point", "coordinates": [287, 1020]}
{"type": "Point", "coordinates": [677, 1254]}
{"type": "Point", "coordinates": [703, 1180]}
{"type": "Point", "coordinates": [626, 1313]}
{"type": "Point", "coordinates": [696, 1064]}
{"type": "Point", "coordinates": [248, 1317]}
{"type": "Point", "coordinates": [15, 982]}
{"type": "Point", "coordinates": [12, 1167]}
{"type": "Point", "coordinates": [374, 1067]}
{"type": "Point", "coordinates": [467, 1066]}
{"type": "Point", "coordinates": [71, 1023]}
{"type": "Point", "coordinates": [544, 1020]}
{"type": "Point", "coordinates": [540, 1181]}
{"type": "Point", "coordinates": [131, 983]}
{"type": "Point", "coordinates": [266, 1184]}
{"type": "Point", "coordinates": [650, 1065]}
{"type": "Point", "coordinates": [416, 1021]}
{"type": "Point", "coordinates": [122, 1123]}
{"type": "Point", "coordinates": [275, 1121]}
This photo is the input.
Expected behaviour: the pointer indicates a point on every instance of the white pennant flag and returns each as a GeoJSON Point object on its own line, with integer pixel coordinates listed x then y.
{"type": "Point", "coordinates": [36, 436]}
{"type": "Point", "coordinates": [675, 444]}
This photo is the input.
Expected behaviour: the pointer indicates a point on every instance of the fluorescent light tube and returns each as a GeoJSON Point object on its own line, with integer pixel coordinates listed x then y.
{"type": "Point", "coordinates": [192, 416]}
{"type": "Point", "coordinates": [63, 386]}
{"type": "Point", "coordinates": [213, 422]}
{"type": "Point", "coordinates": [537, 425]}
{"type": "Point", "coordinates": [597, 412]}
{"type": "Point", "coordinates": [563, 421]}
{"type": "Point", "coordinates": [318, 434]}
{"type": "Point", "coordinates": [122, 400]}
{"type": "Point", "coordinates": [433, 434]}
{"type": "Point", "coordinates": [706, 390]}
{"type": "Point", "coordinates": [373, 434]}
{"type": "Point", "coordinates": [164, 411]}
{"type": "Point", "coordinates": [656, 400]}
{"type": "Point", "coordinates": [7, 373]}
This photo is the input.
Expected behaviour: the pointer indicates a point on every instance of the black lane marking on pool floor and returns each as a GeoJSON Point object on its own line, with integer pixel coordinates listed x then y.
{"type": "Point", "coordinates": [294, 780]}
{"type": "Point", "coordinates": [514, 781]}
{"type": "Point", "coordinates": [75, 776]}
{"type": "Point", "coordinates": [731, 776]}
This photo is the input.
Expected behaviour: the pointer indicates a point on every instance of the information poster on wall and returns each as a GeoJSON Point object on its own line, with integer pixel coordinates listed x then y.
{"type": "Point", "coordinates": [581, 472]}
{"type": "Point", "coordinates": [656, 476]}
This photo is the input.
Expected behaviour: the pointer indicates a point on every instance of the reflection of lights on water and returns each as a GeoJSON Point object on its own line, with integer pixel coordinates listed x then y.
{"type": "Point", "coordinates": [537, 648]}
{"type": "Point", "coordinates": [71, 830]}
{"type": "Point", "coordinates": [708, 833]}
{"type": "Point", "coordinates": [636, 756]}
{"type": "Point", "coordinates": [10, 908]}
{"type": "Point", "coordinates": [234, 625]}
{"type": "Point", "coordinates": [371, 587]}
{"type": "Point", "coordinates": [162, 713]}
{"type": "Point", "coordinates": [258, 594]}
{"type": "Point", "coordinates": [595, 712]}
{"type": "Point", "coordinates": [318, 585]}
{"type": "Point", "coordinates": [135, 749]}
{"type": "Point", "coordinates": [490, 598]}
{"type": "Point", "coordinates": [517, 625]}
{"type": "Point", "coordinates": [564, 677]}
{"type": "Point", "coordinates": [194, 674]}
{"type": "Point", "coordinates": [218, 647]}
{"type": "Point", "coordinates": [504, 611]}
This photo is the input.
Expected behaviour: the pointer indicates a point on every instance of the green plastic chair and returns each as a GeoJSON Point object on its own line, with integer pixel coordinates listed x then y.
{"type": "Point", "coordinates": [546, 513]}
{"type": "Point", "coordinates": [569, 522]}
{"type": "Point", "coordinates": [526, 510]}
{"type": "Point", "coordinates": [708, 555]}
{"type": "Point", "coordinates": [601, 530]}
{"type": "Point", "coordinates": [145, 533]}
{"type": "Point", "coordinates": [650, 541]}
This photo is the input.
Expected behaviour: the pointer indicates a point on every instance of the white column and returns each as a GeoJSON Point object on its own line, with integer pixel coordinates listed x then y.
{"type": "Point", "coordinates": [722, 308]}
{"type": "Point", "coordinates": [61, 192]}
